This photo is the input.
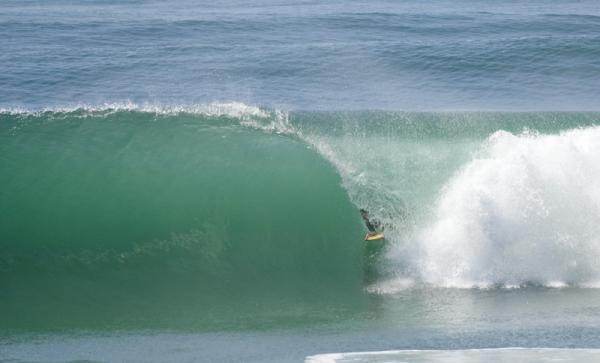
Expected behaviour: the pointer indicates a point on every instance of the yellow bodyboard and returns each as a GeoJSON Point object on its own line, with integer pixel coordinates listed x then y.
{"type": "Point", "coordinates": [374, 237]}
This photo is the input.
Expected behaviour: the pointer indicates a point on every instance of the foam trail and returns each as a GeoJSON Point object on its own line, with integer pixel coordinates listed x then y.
{"type": "Point", "coordinates": [466, 355]}
{"type": "Point", "coordinates": [524, 211]}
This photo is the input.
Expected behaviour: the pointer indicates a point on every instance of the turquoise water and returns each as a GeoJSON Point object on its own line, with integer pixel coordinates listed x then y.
{"type": "Point", "coordinates": [182, 182]}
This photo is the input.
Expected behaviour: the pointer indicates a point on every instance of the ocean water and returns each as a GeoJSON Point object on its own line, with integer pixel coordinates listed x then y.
{"type": "Point", "coordinates": [415, 55]}
{"type": "Point", "coordinates": [180, 181]}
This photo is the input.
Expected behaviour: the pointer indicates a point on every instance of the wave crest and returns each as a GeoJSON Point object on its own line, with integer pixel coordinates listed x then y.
{"type": "Point", "coordinates": [230, 109]}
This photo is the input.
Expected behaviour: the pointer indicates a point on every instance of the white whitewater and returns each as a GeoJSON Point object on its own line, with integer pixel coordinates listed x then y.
{"type": "Point", "coordinates": [525, 210]}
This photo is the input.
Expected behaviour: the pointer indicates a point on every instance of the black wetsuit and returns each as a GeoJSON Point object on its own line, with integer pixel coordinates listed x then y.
{"type": "Point", "coordinates": [369, 225]}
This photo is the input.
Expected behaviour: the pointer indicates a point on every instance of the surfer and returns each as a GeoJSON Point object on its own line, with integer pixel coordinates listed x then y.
{"type": "Point", "coordinates": [371, 226]}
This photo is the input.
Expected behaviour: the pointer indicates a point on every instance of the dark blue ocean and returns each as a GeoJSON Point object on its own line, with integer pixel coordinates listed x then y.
{"type": "Point", "coordinates": [340, 55]}
{"type": "Point", "coordinates": [180, 181]}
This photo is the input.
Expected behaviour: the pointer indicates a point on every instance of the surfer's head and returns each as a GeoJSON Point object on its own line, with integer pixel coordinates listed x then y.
{"type": "Point", "coordinates": [364, 212]}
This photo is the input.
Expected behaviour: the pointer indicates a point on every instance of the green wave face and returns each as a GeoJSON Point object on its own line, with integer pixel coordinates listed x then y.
{"type": "Point", "coordinates": [138, 219]}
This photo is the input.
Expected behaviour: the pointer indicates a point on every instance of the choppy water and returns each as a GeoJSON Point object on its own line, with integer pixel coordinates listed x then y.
{"type": "Point", "coordinates": [436, 55]}
{"type": "Point", "coordinates": [191, 173]}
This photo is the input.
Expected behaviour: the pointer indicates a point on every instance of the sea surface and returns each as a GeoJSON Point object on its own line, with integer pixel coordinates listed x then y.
{"type": "Point", "coordinates": [180, 181]}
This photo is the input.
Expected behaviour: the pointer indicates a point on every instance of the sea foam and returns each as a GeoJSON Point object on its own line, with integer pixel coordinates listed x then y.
{"type": "Point", "coordinates": [465, 355]}
{"type": "Point", "coordinates": [525, 210]}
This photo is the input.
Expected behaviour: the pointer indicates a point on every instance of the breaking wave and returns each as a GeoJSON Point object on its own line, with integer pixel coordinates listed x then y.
{"type": "Point", "coordinates": [113, 201]}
